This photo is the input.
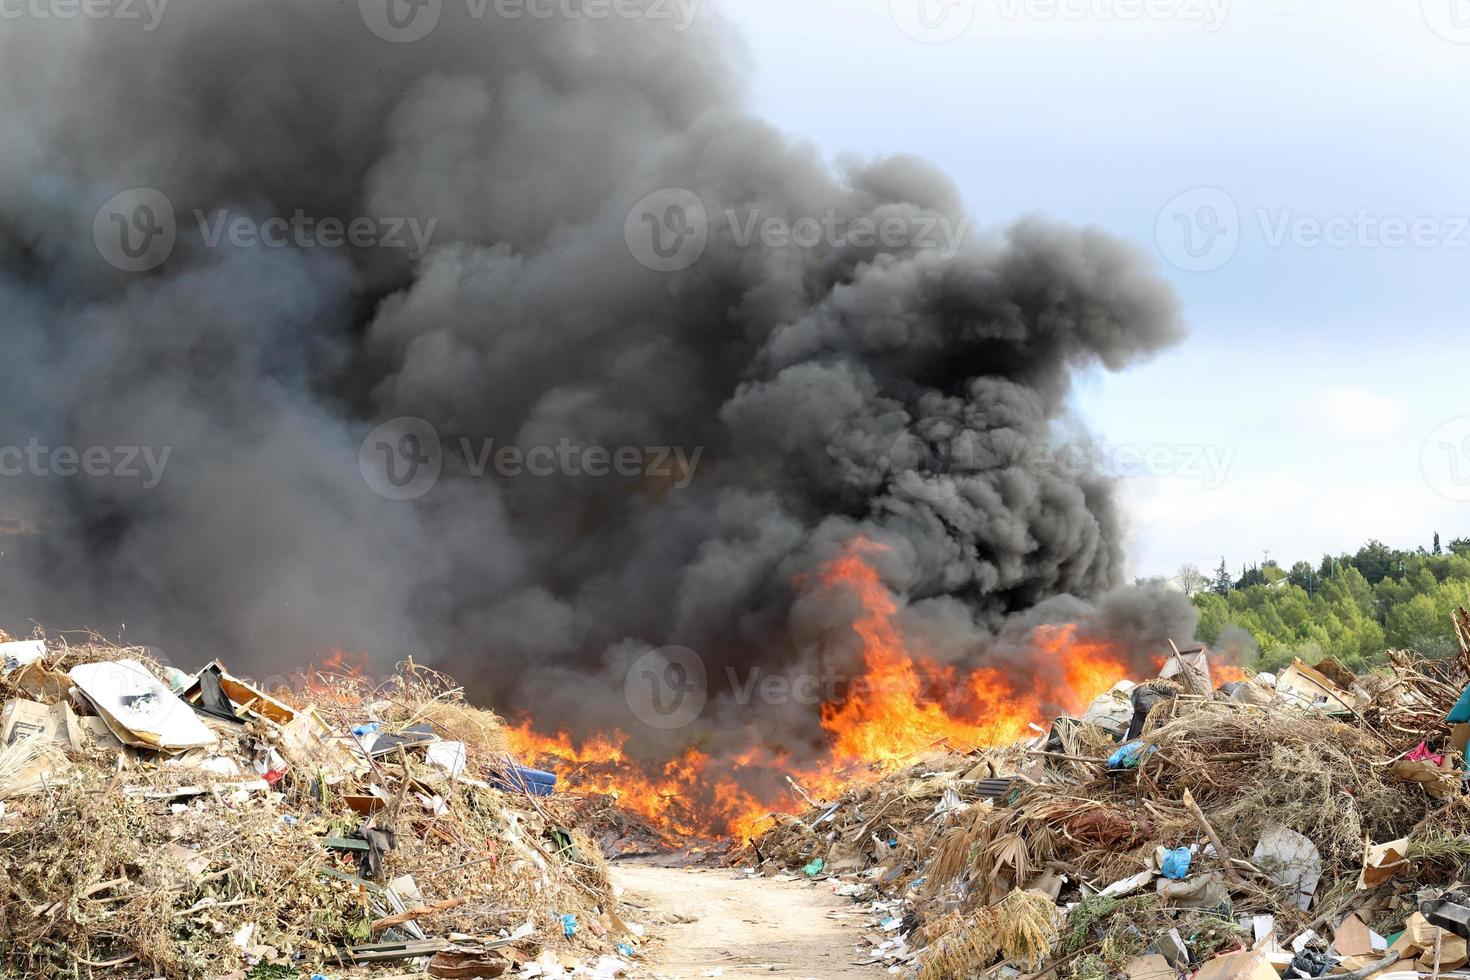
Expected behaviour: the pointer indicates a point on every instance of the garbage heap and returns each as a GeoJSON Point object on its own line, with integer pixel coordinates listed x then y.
{"type": "Point", "coordinates": [1309, 824]}
{"type": "Point", "coordinates": [154, 823]}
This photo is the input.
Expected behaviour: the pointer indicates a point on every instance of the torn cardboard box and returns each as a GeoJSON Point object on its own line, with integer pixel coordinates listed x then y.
{"type": "Point", "coordinates": [22, 721]}
{"type": "Point", "coordinates": [139, 709]}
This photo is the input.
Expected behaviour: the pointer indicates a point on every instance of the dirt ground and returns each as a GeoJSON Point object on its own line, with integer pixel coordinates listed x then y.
{"type": "Point", "coordinates": [744, 926]}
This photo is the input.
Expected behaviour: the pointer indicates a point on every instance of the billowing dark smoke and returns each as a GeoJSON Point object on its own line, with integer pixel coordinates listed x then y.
{"type": "Point", "coordinates": [908, 386]}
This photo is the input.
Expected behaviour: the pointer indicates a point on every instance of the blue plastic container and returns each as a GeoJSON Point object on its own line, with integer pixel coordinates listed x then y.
{"type": "Point", "coordinates": [532, 782]}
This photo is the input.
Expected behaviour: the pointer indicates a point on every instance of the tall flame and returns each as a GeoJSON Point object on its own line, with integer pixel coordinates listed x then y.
{"type": "Point", "coordinates": [902, 705]}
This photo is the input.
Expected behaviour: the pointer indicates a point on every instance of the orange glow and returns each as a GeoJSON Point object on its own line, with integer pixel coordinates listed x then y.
{"type": "Point", "coordinates": [902, 705]}
{"type": "Point", "coordinates": [1222, 673]}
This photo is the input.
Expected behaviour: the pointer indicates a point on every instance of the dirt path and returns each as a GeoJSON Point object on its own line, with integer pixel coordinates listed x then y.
{"type": "Point", "coordinates": [744, 926]}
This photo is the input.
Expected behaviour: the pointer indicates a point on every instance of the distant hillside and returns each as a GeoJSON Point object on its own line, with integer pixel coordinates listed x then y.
{"type": "Point", "coordinates": [1352, 606]}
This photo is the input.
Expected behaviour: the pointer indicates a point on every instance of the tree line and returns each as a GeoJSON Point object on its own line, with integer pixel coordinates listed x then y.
{"type": "Point", "coordinates": [1350, 606]}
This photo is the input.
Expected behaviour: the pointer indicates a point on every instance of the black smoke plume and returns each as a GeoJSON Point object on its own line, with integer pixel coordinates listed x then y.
{"type": "Point", "coordinates": [913, 392]}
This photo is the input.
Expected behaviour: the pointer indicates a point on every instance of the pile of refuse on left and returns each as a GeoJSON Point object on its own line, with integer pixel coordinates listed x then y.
{"type": "Point", "coordinates": [156, 823]}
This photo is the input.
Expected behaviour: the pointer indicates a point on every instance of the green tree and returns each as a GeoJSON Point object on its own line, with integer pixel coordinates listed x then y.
{"type": "Point", "coordinates": [1222, 584]}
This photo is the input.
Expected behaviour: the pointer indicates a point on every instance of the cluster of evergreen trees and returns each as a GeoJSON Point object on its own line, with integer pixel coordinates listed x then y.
{"type": "Point", "coordinates": [1353, 607]}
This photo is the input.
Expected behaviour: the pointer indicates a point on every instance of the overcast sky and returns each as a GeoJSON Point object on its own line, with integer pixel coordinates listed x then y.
{"type": "Point", "coordinates": [1314, 151]}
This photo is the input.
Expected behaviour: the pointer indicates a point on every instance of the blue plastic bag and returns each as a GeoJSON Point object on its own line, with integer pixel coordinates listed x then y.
{"type": "Point", "coordinates": [1127, 756]}
{"type": "Point", "coordinates": [1176, 863]}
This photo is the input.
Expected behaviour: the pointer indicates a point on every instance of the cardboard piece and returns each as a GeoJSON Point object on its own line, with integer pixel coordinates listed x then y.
{"type": "Point", "coordinates": [1149, 967]}
{"type": "Point", "coordinates": [1354, 963]}
{"type": "Point", "coordinates": [1418, 935]}
{"type": "Point", "coordinates": [1382, 862]}
{"type": "Point", "coordinates": [1418, 942]}
{"type": "Point", "coordinates": [1171, 947]}
{"type": "Point", "coordinates": [1439, 781]}
{"type": "Point", "coordinates": [139, 709]}
{"type": "Point", "coordinates": [307, 742]}
{"type": "Point", "coordinates": [246, 697]}
{"type": "Point", "coordinates": [96, 736]}
{"type": "Point", "coordinates": [1263, 933]}
{"type": "Point", "coordinates": [1353, 938]}
{"type": "Point", "coordinates": [1304, 685]}
{"type": "Point", "coordinates": [1454, 953]}
{"type": "Point", "coordinates": [1460, 737]}
{"type": "Point", "coordinates": [1245, 965]}
{"type": "Point", "coordinates": [40, 683]}
{"type": "Point", "coordinates": [1191, 669]}
{"type": "Point", "coordinates": [1112, 710]}
{"type": "Point", "coordinates": [21, 721]}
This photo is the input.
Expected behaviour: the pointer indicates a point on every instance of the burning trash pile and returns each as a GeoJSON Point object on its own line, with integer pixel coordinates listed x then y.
{"type": "Point", "coordinates": [154, 823]}
{"type": "Point", "coordinates": [1309, 824]}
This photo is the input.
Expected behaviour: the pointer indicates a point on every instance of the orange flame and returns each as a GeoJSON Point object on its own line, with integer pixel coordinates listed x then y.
{"type": "Point", "coordinates": [901, 706]}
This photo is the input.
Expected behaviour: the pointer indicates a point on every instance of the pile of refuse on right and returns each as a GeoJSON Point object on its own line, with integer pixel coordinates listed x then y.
{"type": "Point", "coordinates": [1312, 822]}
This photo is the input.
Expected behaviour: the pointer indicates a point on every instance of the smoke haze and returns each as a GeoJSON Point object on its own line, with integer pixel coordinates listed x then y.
{"type": "Point", "coordinates": [913, 395]}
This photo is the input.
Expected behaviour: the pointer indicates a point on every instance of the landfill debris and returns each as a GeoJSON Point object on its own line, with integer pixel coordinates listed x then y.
{"type": "Point", "coordinates": [16, 654]}
{"type": "Point", "coordinates": [162, 824]}
{"type": "Point", "coordinates": [1221, 832]}
{"type": "Point", "coordinates": [139, 707]}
